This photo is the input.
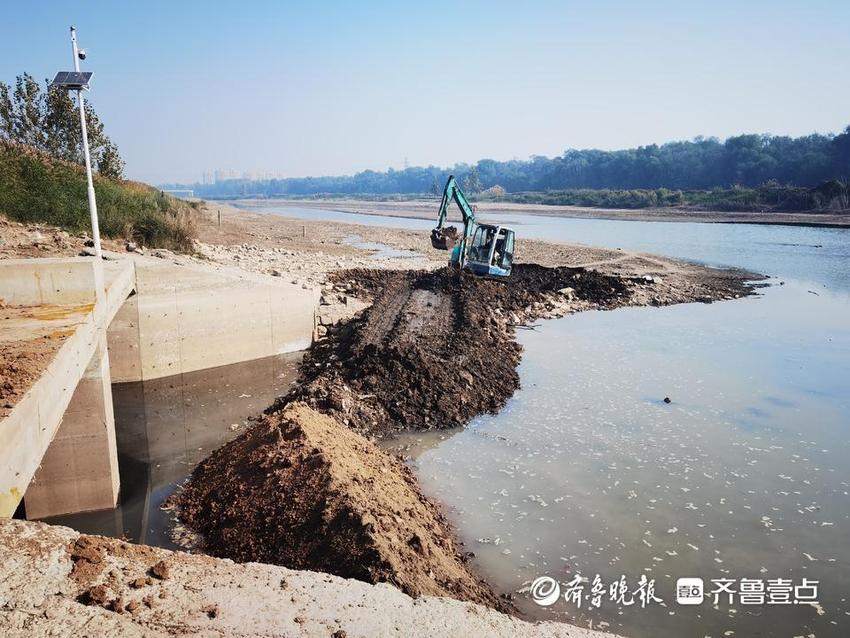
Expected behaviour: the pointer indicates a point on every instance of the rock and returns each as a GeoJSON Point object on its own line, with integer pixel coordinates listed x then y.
{"type": "Point", "coordinates": [89, 243]}
{"type": "Point", "coordinates": [210, 610]}
{"type": "Point", "coordinates": [131, 246]}
{"type": "Point", "coordinates": [98, 595]}
{"type": "Point", "coordinates": [276, 273]}
{"type": "Point", "coordinates": [160, 570]}
{"type": "Point", "coordinates": [467, 377]}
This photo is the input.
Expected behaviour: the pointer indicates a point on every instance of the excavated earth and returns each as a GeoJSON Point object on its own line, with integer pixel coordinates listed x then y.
{"type": "Point", "coordinates": [306, 488]}
{"type": "Point", "coordinates": [301, 491]}
{"type": "Point", "coordinates": [436, 348]}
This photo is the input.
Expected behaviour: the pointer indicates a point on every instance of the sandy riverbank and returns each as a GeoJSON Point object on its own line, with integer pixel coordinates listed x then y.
{"type": "Point", "coordinates": [57, 582]}
{"type": "Point", "coordinates": [305, 250]}
{"type": "Point", "coordinates": [426, 209]}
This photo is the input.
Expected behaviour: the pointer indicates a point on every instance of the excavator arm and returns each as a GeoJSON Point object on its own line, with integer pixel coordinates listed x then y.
{"type": "Point", "coordinates": [443, 237]}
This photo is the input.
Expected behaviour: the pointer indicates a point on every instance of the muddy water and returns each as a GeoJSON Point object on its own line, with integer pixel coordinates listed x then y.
{"type": "Point", "coordinates": [743, 474]}
{"type": "Point", "coordinates": [165, 427]}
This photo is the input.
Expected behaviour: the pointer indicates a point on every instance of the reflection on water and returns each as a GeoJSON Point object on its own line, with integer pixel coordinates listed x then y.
{"type": "Point", "coordinates": [743, 474]}
{"type": "Point", "coordinates": [165, 427]}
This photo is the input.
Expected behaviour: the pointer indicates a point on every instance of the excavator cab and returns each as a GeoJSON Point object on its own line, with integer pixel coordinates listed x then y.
{"type": "Point", "coordinates": [491, 251]}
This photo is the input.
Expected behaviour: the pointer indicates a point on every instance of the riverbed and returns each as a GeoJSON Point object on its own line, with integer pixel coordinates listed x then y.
{"type": "Point", "coordinates": [743, 474]}
{"type": "Point", "coordinates": [588, 470]}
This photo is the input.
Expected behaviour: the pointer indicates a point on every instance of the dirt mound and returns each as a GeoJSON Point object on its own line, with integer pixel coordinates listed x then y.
{"type": "Point", "coordinates": [301, 491]}
{"type": "Point", "coordinates": [435, 349]}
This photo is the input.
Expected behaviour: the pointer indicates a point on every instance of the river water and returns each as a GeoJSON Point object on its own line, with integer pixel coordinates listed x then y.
{"type": "Point", "coordinates": [743, 475]}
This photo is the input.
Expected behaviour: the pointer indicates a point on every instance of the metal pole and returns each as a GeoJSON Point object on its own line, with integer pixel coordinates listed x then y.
{"type": "Point", "coordinates": [95, 228]}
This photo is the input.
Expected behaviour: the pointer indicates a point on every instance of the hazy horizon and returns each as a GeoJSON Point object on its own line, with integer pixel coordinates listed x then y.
{"type": "Point", "coordinates": [333, 89]}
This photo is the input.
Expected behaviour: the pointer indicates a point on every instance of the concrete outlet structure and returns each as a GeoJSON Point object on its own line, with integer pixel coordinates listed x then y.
{"type": "Point", "coordinates": [58, 442]}
{"type": "Point", "coordinates": [187, 317]}
{"type": "Point", "coordinates": [59, 437]}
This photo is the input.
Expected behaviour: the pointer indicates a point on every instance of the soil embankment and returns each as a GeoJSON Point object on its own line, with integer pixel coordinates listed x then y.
{"type": "Point", "coordinates": [305, 488]}
{"type": "Point", "coordinates": [436, 349]}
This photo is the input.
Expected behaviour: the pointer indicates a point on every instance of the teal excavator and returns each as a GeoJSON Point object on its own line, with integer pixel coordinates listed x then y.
{"type": "Point", "coordinates": [484, 249]}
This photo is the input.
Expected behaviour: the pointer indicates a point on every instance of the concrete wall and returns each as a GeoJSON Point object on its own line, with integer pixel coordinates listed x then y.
{"type": "Point", "coordinates": [55, 281]}
{"type": "Point", "coordinates": [79, 470]}
{"type": "Point", "coordinates": [70, 298]}
{"type": "Point", "coordinates": [186, 317]}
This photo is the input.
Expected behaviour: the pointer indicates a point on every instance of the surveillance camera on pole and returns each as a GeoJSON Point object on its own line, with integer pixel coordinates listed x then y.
{"type": "Point", "coordinates": [79, 81]}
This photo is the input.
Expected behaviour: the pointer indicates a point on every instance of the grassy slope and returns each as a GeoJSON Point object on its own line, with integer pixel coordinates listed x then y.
{"type": "Point", "coordinates": [37, 188]}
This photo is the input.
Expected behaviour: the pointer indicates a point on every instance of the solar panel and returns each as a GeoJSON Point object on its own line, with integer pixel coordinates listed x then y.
{"type": "Point", "coordinates": [72, 79]}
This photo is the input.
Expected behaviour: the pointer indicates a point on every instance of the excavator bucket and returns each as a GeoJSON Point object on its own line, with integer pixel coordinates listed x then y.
{"type": "Point", "coordinates": [444, 238]}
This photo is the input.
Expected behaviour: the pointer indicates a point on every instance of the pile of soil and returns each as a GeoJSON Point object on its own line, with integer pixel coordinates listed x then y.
{"type": "Point", "coordinates": [435, 349]}
{"type": "Point", "coordinates": [301, 491]}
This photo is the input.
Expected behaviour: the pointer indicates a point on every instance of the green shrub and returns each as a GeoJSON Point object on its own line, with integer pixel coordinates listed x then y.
{"type": "Point", "coordinates": [37, 188]}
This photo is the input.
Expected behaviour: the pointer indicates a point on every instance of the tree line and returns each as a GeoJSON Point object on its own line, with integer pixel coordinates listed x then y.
{"type": "Point", "coordinates": [702, 163]}
{"type": "Point", "coordinates": [48, 120]}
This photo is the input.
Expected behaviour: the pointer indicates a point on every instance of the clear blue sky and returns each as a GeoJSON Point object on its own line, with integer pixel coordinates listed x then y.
{"type": "Point", "coordinates": [316, 88]}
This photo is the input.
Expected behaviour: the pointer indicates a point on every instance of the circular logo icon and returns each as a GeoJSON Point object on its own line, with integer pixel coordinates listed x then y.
{"type": "Point", "coordinates": [545, 590]}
